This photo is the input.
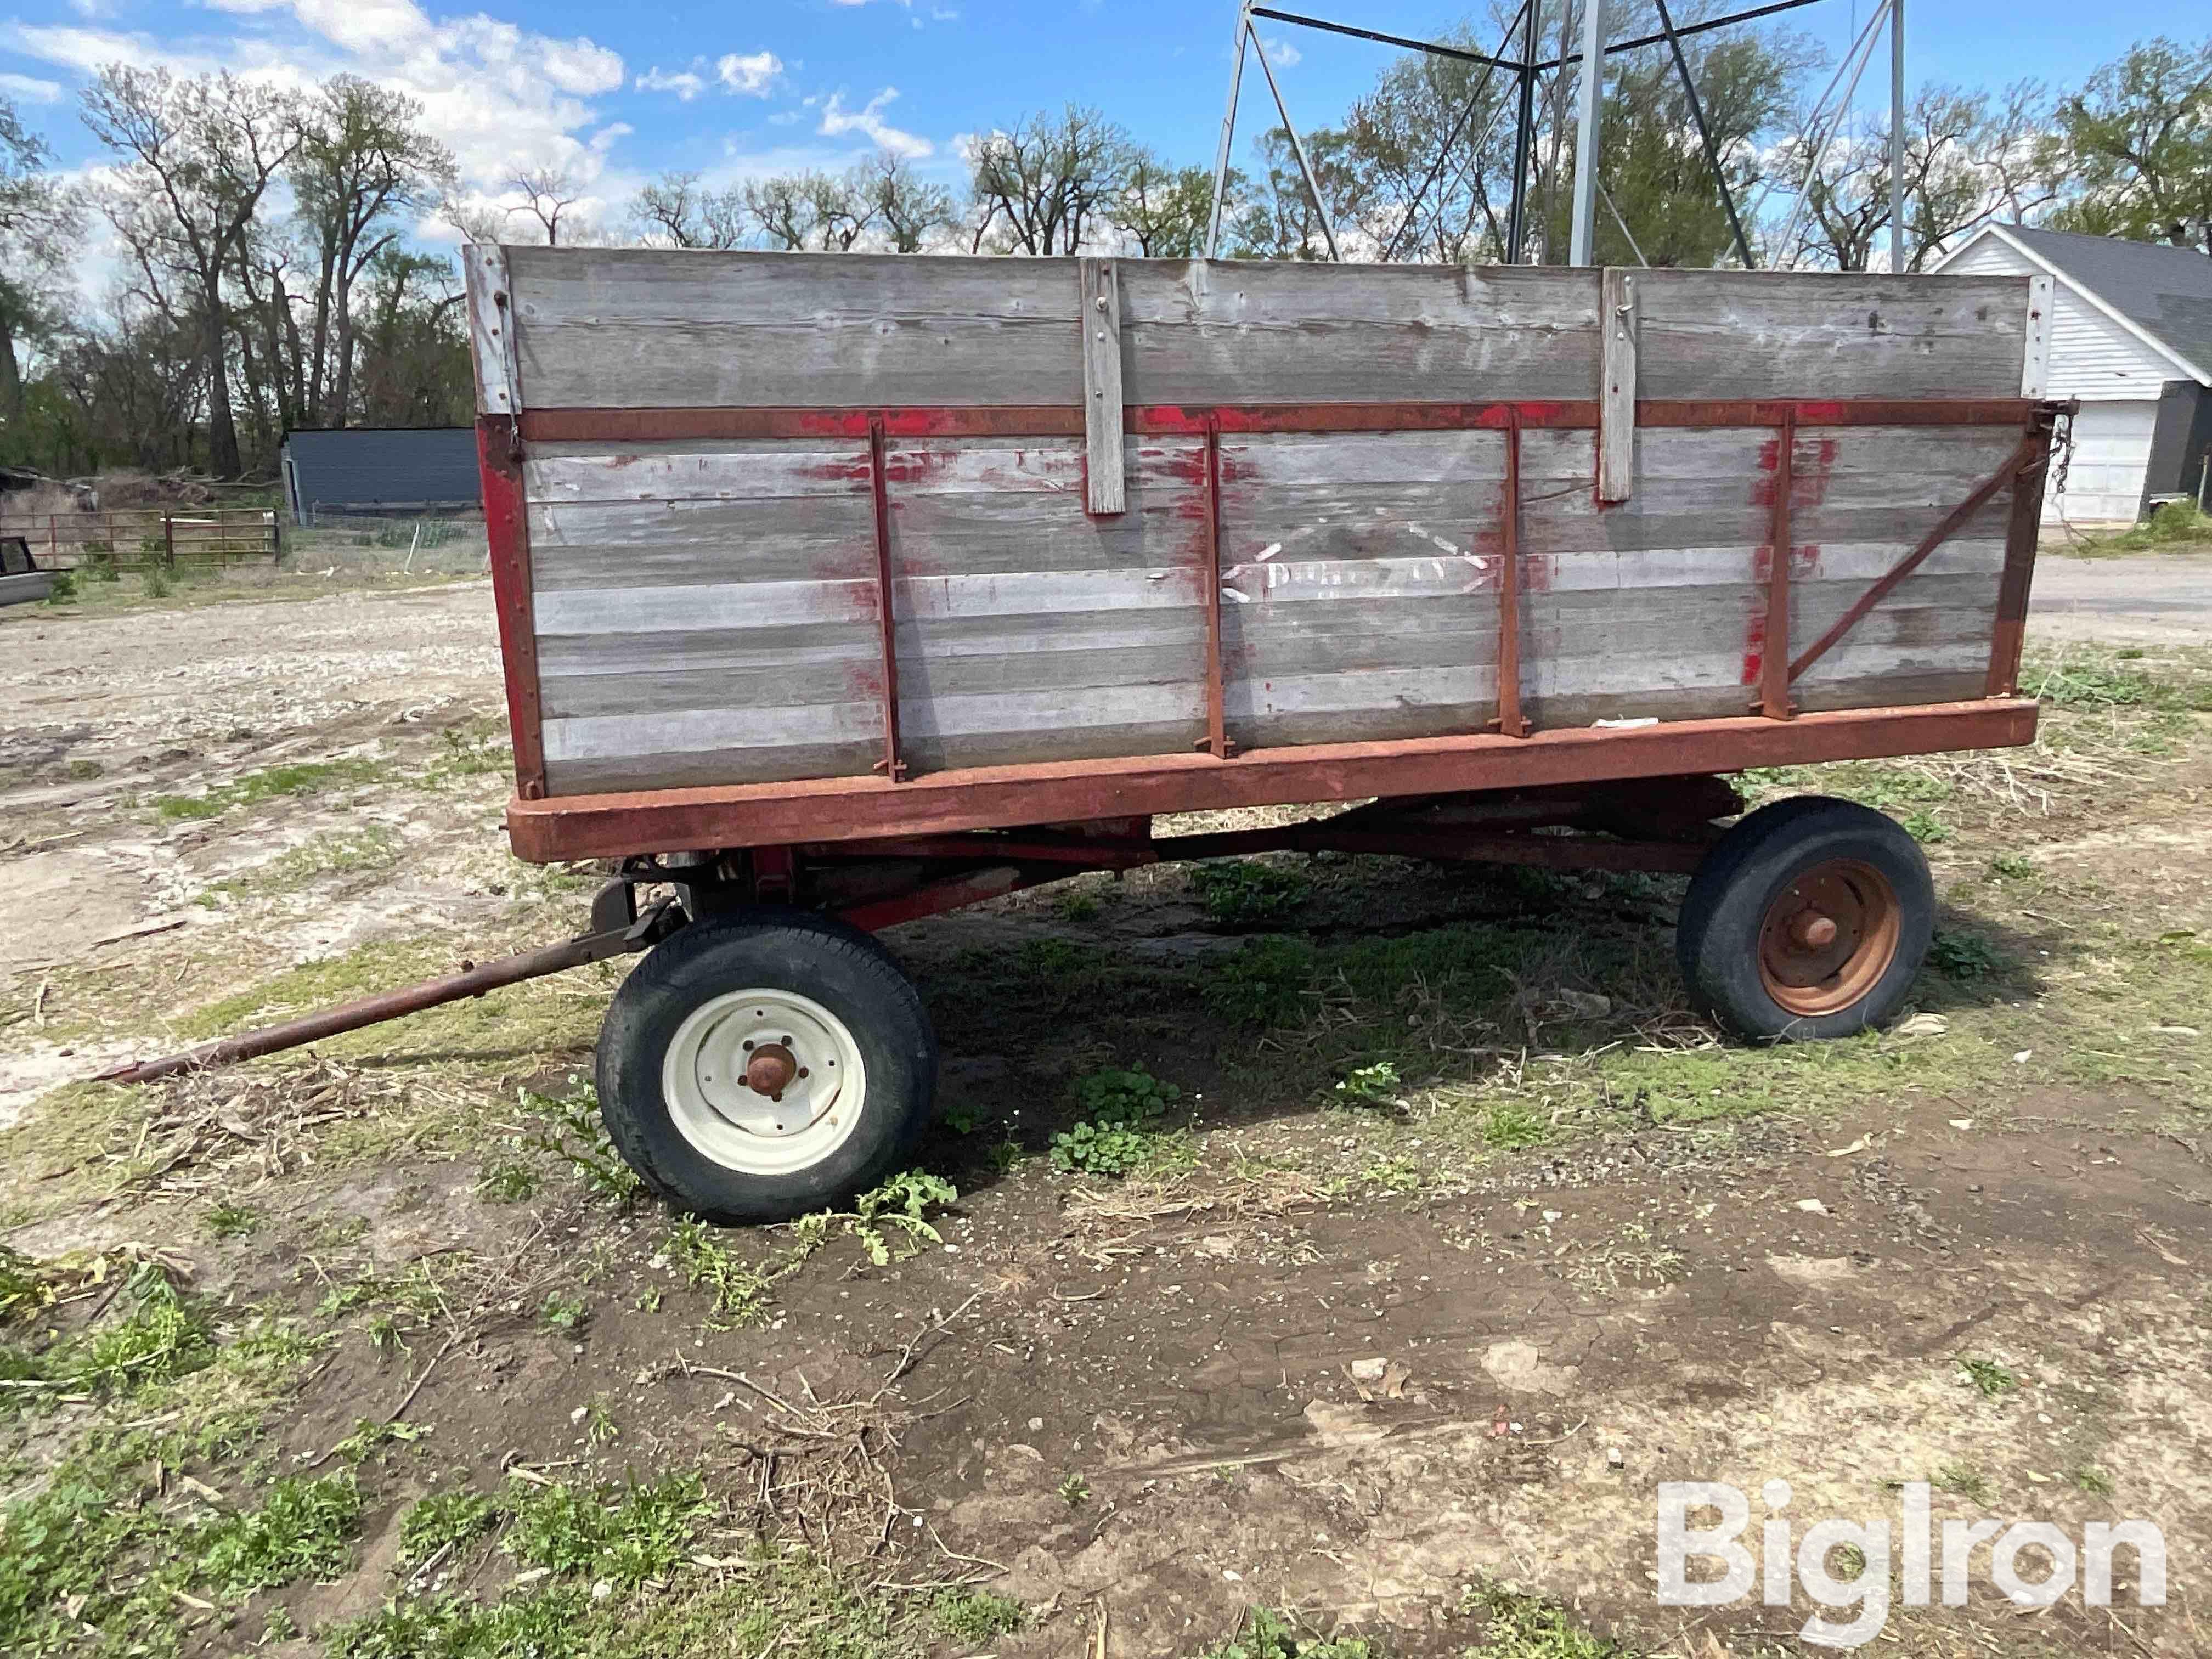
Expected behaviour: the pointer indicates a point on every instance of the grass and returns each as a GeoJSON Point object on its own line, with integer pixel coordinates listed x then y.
{"type": "Point", "coordinates": [351, 851]}
{"type": "Point", "coordinates": [1963, 1480]}
{"type": "Point", "coordinates": [273, 783]}
{"type": "Point", "coordinates": [446, 1520]}
{"type": "Point", "coordinates": [227, 1218]}
{"type": "Point", "coordinates": [2174, 527]}
{"type": "Point", "coordinates": [303, 1530]}
{"type": "Point", "coordinates": [624, 1534]}
{"type": "Point", "coordinates": [1266, 1634]}
{"type": "Point", "coordinates": [1517, 1626]}
{"type": "Point", "coordinates": [1247, 892]}
{"type": "Point", "coordinates": [975, 1616]}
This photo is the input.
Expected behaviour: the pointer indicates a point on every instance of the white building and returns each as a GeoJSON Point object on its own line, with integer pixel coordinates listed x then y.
{"type": "Point", "coordinates": [2130, 336]}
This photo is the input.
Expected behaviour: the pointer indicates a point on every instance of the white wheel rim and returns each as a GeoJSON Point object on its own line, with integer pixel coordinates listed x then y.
{"type": "Point", "coordinates": [727, 1046]}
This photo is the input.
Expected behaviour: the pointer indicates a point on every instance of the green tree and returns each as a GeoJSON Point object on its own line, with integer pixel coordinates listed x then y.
{"type": "Point", "coordinates": [362, 160]}
{"type": "Point", "coordinates": [39, 224]}
{"type": "Point", "coordinates": [2136, 147]}
{"type": "Point", "coordinates": [198, 156]}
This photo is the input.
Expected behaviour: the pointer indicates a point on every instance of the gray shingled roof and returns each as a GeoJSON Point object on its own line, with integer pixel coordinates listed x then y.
{"type": "Point", "coordinates": [2165, 291]}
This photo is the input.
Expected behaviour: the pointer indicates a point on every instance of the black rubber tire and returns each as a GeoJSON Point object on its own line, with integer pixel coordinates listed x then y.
{"type": "Point", "coordinates": [841, 968]}
{"type": "Point", "coordinates": [1716, 939]}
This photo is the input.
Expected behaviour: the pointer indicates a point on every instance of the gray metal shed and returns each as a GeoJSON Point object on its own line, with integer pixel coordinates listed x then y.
{"type": "Point", "coordinates": [381, 470]}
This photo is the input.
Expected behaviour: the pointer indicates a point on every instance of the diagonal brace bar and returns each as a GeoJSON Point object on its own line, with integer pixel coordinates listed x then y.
{"type": "Point", "coordinates": [1704, 136]}
{"type": "Point", "coordinates": [2009, 473]}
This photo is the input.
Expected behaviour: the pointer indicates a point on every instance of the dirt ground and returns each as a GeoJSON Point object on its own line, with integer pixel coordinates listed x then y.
{"type": "Point", "coordinates": [1457, 1237]}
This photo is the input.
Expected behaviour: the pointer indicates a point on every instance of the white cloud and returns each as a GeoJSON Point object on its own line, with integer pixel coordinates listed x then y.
{"type": "Point", "coordinates": [836, 119]}
{"type": "Point", "coordinates": [752, 73]}
{"type": "Point", "coordinates": [30, 90]}
{"type": "Point", "coordinates": [501, 96]}
{"type": "Point", "coordinates": [1281, 54]}
{"type": "Point", "coordinates": [685, 83]}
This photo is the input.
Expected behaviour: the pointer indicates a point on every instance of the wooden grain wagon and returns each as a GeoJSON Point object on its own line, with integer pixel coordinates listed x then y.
{"type": "Point", "coordinates": [837, 591]}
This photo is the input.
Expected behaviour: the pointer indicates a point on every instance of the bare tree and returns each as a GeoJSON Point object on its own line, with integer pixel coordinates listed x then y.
{"type": "Point", "coordinates": [199, 155]}
{"type": "Point", "coordinates": [362, 158]}
{"type": "Point", "coordinates": [551, 191]}
{"type": "Point", "coordinates": [678, 209]}
{"type": "Point", "coordinates": [907, 207]}
{"type": "Point", "coordinates": [1042, 185]}
{"type": "Point", "coordinates": [809, 210]}
{"type": "Point", "coordinates": [1968, 160]}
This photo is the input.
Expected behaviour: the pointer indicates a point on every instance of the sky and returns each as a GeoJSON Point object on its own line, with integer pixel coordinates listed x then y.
{"type": "Point", "coordinates": [618, 96]}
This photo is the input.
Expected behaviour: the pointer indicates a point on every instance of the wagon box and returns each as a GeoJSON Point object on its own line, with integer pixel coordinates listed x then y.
{"type": "Point", "coordinates": [838, 591]}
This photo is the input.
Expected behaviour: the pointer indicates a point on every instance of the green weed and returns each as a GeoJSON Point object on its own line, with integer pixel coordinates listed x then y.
{"type": "Point", "coordinates": [900, 1205]}
{"type": "Point", "coordinates": [1074, 1491]}
{"type": "Point", "coordinates": [575, 1135]}
{"type": "Point", "coordinates": [1962, 1480]}
{"type": "Point", "coordinates": [507, 1183]}
{"type": "Point", "coordinates": [975, 1616]}
{"type": "Point", "coordinates": [1244, 891]}
{"type": "Point", "coordinates": [624, 1534]}
{"type": "Point", "coordinates": [446, 1519]}
{"type": "Point", "coordinates": [1374, 1085]}
{"type": "Point", "coordinates": [1991, 1378]}
{"type": "Point", "coordinates": [2094, 1481]}
{"type": "Point", "coordinates": [1965, 956]}
{"type": "Point", "coordinates": [2011, 867]}
{"type": "Point", "coordinates": [1265, 983]}
{"type": "Point", "coordinates": [740, 1289]}
{"type": "Point", "coordinates": [566, 1315]}
{"type": "Point", "coordinates": [1516, 1625]}
{"type": "Point", "coordinates": [1266, 1634]}
{"type": "Point", "coordinates": [227, 1219]}
{"type": "Point", "coordinates": [1115, 1135]}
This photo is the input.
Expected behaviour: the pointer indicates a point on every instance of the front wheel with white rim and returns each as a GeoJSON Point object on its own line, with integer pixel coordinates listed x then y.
{"type": "Point", "coordinates": [764, 1064]}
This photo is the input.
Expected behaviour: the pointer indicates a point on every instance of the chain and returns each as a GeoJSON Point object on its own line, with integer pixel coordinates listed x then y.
{"type": "Point", "coordinates": [2062, 445]}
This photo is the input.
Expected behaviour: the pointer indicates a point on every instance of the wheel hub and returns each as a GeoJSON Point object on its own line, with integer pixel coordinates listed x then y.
{"type": "Point", "coordinates": [772, 1069]}
{"type": "Point", "coordinates": [1829, 936]}
{"type": "Point", "coordinates": [766, 1082]}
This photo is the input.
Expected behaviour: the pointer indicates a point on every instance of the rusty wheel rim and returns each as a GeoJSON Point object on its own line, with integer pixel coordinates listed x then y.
{"type": "Point", "coordinates": [1829, 936]}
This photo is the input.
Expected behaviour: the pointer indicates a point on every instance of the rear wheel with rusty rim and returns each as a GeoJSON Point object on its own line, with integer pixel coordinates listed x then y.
{"type": "Point", "coordinates": [1809, 918]}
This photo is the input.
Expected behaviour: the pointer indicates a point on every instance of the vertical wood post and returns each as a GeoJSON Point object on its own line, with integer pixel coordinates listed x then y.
{"type": "Point", "coordinates": [1509, 719]}
{"type": "Point", "coordinates": [1619, 321]}
{"type": "Point", "coordinates": [2023, 529]}
{"type": "Point", "coordinates": [1774, 655]}
{"type": "Point", "coordinates": [169, 541]}
{"type": "Point", "coordinates": [1217, 716]}
{"type": "Point", "coordinates": [891, 766]}
{"type": "Point", "coordinates": [1100, 313]}
{"type": "Point", "coordinates": [507, 549]}
{"type": "Point", "coordinates": [53, 541]}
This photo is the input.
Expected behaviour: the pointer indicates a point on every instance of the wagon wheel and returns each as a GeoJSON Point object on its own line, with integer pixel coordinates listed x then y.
{"type": "Point", "coordinates": [760, 1066]}
{"type": "Point", "coordinates": [1809, 918]}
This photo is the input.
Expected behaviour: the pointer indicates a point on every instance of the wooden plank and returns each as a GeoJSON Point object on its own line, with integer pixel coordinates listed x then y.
{"type": "Point", "coordinates": [648, 328]}
{"type": "Point", "coordinates": [1616, 455]}
{"type": "Point", "coordinates": [721, 470]}
{"type": "Point", "coordinates": [613, 544]}
{"type": "Point", "coordinates": [491, 341]}
{"type": "Point", "coordinates": [1268, 332]}
{"type": "Point", "coordinates": [1819, 334]}
{"type": "Point", "coordinates": [1100, 313]}
{"type": "Point", "coordinates": [1509, 720]}
{"type": "Point", "coordinates": [2022, 529]}
{"type": "Point", "coordinates": [708, 655]}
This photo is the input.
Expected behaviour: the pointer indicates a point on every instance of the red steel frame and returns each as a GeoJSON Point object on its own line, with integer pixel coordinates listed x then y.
{"type": "Point", "coordinates": [893, 804]}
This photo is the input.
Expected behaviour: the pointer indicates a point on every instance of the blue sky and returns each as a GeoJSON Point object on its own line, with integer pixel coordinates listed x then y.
{"type": "Point", "coordinates": [619, 95]}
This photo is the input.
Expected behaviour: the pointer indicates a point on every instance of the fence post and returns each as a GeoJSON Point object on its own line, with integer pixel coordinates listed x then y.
{"type": "Point", "coordinates": [53, 541]}
{"type": "Point", "coordinates": [169, 541]}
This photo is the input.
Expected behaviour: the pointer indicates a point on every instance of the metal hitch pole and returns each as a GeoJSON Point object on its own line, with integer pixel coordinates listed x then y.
{"type": "Point", "coordinates": [631, 936]}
